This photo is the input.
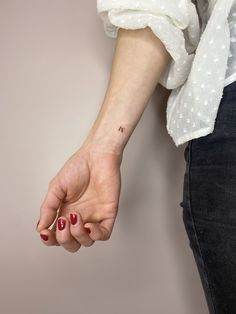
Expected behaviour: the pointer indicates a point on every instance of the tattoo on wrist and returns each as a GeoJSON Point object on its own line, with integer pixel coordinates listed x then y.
{"type": "Point", "coordinates": [121, 129]}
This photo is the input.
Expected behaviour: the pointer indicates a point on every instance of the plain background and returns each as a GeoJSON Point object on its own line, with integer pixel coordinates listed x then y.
{"type": "Point", "coordinates": [54, 65]}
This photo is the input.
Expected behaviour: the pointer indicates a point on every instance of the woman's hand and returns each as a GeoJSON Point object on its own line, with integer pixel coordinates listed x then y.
{"type": "Point", "coordinates": [87, 188]}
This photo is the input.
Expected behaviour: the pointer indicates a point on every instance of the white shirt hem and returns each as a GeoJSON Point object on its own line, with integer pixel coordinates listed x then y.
{"type": "Point", "coordinates": [230, 79]}
{"type": "Point", "coordinates": [193, 135]}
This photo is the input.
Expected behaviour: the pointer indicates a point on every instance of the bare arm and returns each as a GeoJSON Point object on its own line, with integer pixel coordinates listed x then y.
{"type": "Point", "coordinates": [85, 192]}
{"type": "Point", "coordinates": [139, 60]}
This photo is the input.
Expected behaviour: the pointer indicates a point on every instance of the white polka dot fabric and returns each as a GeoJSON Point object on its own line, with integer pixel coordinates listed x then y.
{"type": "Point", "coordinates": [231, 66]}
{"type": "Point", "coordinates": [202, 57]}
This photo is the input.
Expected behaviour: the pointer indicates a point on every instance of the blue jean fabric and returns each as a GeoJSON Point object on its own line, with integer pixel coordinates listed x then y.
{"type": "Point", "coordinates": [209, 206]}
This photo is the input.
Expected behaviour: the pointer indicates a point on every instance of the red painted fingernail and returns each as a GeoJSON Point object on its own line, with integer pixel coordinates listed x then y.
{"type": "Point", "coordinates": [61, 223]}
{"type": "Point", "coordinates": [73, 219]}
{"type": "Point", "coordinates": [44, 237]}
{"type": "Point", "coordinates": [87, 229]}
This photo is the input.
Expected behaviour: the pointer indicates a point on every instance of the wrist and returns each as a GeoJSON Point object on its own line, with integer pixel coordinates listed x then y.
{"type": "Point", "coordinates": [108, 139]}
{"type": "Point", "coordinates": [95, 147]}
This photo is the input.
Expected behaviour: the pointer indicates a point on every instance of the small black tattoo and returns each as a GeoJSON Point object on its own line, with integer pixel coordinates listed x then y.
{"type": "Point", "coordinates": [121, 129]}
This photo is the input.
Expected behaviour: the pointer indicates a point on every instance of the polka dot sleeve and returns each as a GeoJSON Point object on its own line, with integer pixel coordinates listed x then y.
{"type": "Point", "coordinates": [176, 24]}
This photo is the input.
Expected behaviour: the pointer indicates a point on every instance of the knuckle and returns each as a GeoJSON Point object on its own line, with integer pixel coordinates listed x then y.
{"type": "Point", "coordinates": [61, 241]}
{"type": "Point", "coordinates": [76, 233]}
{"type": "Point", "coordinates": [88, 244]}
{"type": "Point", "coordinates": [101, 237]}
{"type": "Point", "coordinates": [74, 250]}
{"type": "Point", "coordinates": [106, 237]}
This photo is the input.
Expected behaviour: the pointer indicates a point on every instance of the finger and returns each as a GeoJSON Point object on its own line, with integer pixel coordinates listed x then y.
{"type": "Point", "coordinates": [50, 205]}
{"type": "Point", "coordinates": [48, 237]}
{"type": "Point", "coordinates": [64, 236]}
{"type": "Point", "coordinates": [78, 231]}
{"type": "Point", "coordinates": [100, 231]}
{"type": "Point", "coordinates": [107, 226]}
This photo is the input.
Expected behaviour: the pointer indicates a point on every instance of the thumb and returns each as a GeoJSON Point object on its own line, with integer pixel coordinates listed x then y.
{"type": "Point", "coordinates": [50, 205]}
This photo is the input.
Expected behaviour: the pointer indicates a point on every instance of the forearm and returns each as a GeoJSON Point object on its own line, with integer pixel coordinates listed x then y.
{"type": "Point", "coordinates": [139, 60]}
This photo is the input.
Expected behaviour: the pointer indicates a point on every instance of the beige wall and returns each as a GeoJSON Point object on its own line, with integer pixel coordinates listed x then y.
{"type": "Point", "coordinates": [54, 66]}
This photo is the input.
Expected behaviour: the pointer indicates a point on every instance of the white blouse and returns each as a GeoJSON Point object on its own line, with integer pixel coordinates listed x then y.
{"type": "Point", "coordinates": [200, 36]}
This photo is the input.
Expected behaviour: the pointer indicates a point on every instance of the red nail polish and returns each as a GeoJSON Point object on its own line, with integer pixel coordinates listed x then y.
{"type": "Point", "coordinates": [44, 237]}
{"type": "Point", "coordinates": [73, 219]}
{"type": "Point", "coordinates": [61, 223]}
{"type": "Point", "coordinates": [87, 229]}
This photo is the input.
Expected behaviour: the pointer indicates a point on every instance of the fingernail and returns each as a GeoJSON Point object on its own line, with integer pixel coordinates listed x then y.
{"type": "Point", "coordinates": [73, 219]}
{"type": "Point", "coordinates": [61, 223]}
{"type": "Point", "coordinates": [44, 237]}
{"type": "Point", "coordinates": [87, 229]}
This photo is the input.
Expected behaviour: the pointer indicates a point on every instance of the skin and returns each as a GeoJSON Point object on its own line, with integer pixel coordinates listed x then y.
{"type": "Point", "coordinates": [89, 182]}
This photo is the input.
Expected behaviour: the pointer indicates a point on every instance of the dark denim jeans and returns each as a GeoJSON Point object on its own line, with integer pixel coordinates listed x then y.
{"type": "Point", "coordinates": [209, 206]}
